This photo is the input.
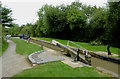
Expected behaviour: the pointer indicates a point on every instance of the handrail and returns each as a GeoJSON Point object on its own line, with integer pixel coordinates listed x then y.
{"type": "Point", "coordinates": [56, 42]}
{"type": "Point", "coordinates": [75, 44]}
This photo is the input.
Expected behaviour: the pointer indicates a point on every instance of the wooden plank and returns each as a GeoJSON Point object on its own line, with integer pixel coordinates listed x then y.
{"type": "Point", "coordinates": [82, 57]}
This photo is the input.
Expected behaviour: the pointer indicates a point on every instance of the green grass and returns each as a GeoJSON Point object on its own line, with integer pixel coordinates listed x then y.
{"type": "Point", "coordinates": [85, 45]}
{"type": "Point", "coordinates": [4, 47]}
{"type": "Point", "coordinates": [59, 69]}
{"type": "Point", "coordinates": [46, 39]}
{"type": "Point", "coordinates": [22, 47]}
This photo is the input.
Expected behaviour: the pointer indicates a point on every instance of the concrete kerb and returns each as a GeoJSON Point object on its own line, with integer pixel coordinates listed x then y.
{"type": "Point", "coordinates": [31, 58]}
{"type": "Point", "coordinates": [43, 60]}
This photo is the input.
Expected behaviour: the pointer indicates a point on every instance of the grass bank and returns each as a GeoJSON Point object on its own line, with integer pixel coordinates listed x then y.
{"type": "Point", "coordinates": [59, 69]}
{"type": "Point", "coordinates": [22, 47]}
{"type": "Point", "coordinates": [85, 45]}
{"type": "Point", "coordinates": [4, 46]}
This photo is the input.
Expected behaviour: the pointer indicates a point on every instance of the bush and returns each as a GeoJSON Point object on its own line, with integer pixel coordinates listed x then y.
{"type": "Point", "coordinates": [96, 42]}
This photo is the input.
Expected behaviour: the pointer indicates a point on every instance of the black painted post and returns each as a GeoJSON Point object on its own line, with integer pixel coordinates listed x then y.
{"type": "Point", "coordinates": [68, 54]}
{"type": "Point", "coordinates": [108, 49]}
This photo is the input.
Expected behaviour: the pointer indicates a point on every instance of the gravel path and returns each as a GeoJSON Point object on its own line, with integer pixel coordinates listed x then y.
{"type": "Point", "coordinates": [13, 63]}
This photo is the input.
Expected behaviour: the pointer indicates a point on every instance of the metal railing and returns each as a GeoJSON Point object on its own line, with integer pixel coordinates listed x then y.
{"type": "Point", "coordinates": [75, 44]}
{"type": "Point", "coordinates": [78, 46]}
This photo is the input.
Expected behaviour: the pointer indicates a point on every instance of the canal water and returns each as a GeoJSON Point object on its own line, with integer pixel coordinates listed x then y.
{"type": "Point", "coordinates": [114, 67]}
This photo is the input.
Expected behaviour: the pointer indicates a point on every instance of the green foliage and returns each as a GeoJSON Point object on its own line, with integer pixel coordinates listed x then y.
{"type": "Point", "coordinates": [0, 38]}
{"type": "Point", "coordinates": [59, 69]}
{"type": "Point", "coordinates": [46, 39]}
{"type": "Point", "coordinates": [96, 42]}
{"type": "Point", "coordinates": [6, 16]}
{"type": "Point", "coordinates": [76, 18]}
{"type": "Point", "coordinates": [97, 23]}
{"type": "Point", "coordinates": [4, 46]}
{"type": "Point", "coordinates": [112, 27]}
{"type": "Point", "coordinates": [6, 19]}
{"type": "Point", "coordinates": [27, 29]}
{"type": "Point", "coordinates": [51, 21]}
{"type": "Point", "coordinates": [22, 47]}
{"type": "Point", "coordinates": [76, 22]}
{"type": "Point", "coordinates": [15, 30]}
{"type": "Point", "coordinates": [61, 21]}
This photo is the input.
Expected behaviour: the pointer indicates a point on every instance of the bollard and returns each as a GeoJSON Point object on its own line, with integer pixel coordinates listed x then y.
{"type": "Point", "coordinates": [68, 54]}
{"type": "Point", "coordinates": [28, 40]}
{"type": "Point", "coordinates": [108, 49]}
{"type": "Point", "coordinates": [42, 46]}
{"type": "Point", "coordinates": [77, 56]}
{"type": "Point", "coordinates": [88, 59]}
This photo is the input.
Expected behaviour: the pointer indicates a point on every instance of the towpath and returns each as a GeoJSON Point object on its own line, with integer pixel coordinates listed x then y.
{"type": "Point", "coordinates": [13, 63]}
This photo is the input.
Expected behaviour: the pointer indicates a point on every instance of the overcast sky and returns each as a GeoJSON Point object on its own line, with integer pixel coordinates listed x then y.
{"type": "Point", "coordinates": [25, 11]}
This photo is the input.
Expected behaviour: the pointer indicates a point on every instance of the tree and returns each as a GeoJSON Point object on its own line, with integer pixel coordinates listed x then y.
{"type": "Point", "coordinates": [97, 24]}
{"type": "Point", "coordinates": [6, 17]}
{"type": "Point", "coordinates": [76, 18]}
{"type": "Point", "coordinates": [52, 20]}
{"type": "Point", "coordinates": [26, 29]}
{"type": "Point", "coordinates": [15, 30]}
{"type": "Point", "coordinates": [113, 22]}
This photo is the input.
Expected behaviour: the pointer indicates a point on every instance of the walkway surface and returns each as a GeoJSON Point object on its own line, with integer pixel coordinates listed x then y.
{"type": "Point", "coordinates": [13, 63]}
{"type": "Point", "coordinates": [67, 60]}
{"type": "Point", "coordinates": [43, 57]}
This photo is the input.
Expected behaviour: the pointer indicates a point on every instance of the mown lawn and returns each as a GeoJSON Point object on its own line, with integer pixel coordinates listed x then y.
{"type": "Point", "coordinates": [22, 47]}
{"type": "Point", "coordinates": [85, 45]}
{"type": "Point", "coordinates": [4, 45]}
{"type": "Point", "coordinates": [59, 69]}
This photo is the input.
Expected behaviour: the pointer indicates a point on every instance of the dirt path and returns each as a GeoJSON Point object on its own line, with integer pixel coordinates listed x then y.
{"type": "Point", "coordinates": [13, 63]}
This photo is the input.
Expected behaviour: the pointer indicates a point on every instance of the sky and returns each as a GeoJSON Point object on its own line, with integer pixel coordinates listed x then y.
{"type": "Point", "coordinates": [25, 11]}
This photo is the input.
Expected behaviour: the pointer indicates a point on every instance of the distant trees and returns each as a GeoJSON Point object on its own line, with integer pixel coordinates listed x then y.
{"type": "Point", "coordinates": [6, 17]}
{"type": "Point", "coordinates": [61, 21]}
{"type": "Point", "coordinates": [112, 26]}
{"type": "Point", "coordinates": [76, 22]}
{"type": "Point", "coordinates": [97, 23]}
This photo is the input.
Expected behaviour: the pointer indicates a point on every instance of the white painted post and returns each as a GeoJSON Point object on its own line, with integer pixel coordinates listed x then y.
{"type": "Point", "coordinates": [86, 52]}
{"type": "Point", "coordinates": [68, 43]}
{"type": "Point", "coordinates": [54, 42]}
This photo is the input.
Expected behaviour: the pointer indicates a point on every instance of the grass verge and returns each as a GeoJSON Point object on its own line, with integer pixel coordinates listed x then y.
{"type": "Point", "coordinates": [85, 45]}
{"type": "Point", "coordinates": [4, 46]}
{"type": "Point", "coordinates": [22, 47]}
{"type": "Point", "coordinates": [59, 69]}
